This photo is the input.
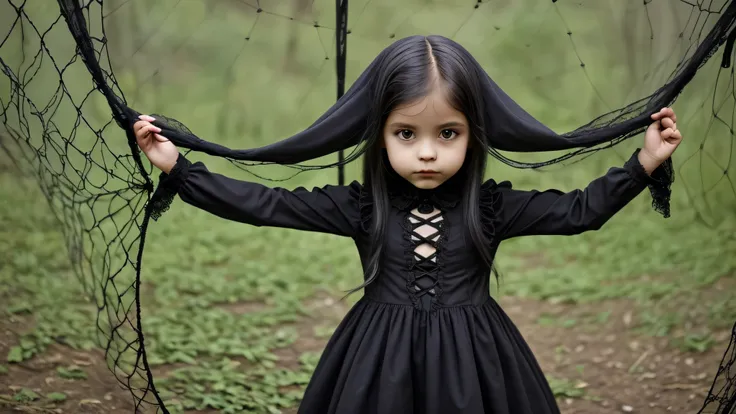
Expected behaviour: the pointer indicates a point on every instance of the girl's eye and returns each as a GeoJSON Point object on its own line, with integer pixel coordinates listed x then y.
{"type": "Point", "coordinates": [447, 133]}
{"type": "Point", "coordinates": [405, 134]}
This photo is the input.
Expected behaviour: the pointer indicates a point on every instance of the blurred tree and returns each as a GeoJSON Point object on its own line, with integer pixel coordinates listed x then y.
{"type": "Point", "coordinates": [123, 34]}
{"type": "Point", "coordinates": [124, 38]}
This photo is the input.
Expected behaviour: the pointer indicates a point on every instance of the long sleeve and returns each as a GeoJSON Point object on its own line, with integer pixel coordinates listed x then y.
{"type": "Point", "coordinates": [553, 212]}
{"type": "Point", "coordinates": [329, 209]}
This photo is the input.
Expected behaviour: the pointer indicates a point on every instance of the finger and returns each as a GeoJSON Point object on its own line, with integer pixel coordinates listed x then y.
{"type": "Point", "coordinates": [676, 136]}
{"type": "Point", "coordinates": [147, 118]}
{"type": "Point", "coordinates": [145, 132]}
{"type": "Point", "coordinates": [666, 112]}
{"type": "Point", "coordinates": [160, 138]}
{"type": "Point", "coordinates": [661, 114]}
{"type": "Point", "coordinates": [151, 129]}
{"type": "Point", "coordinates": [138, 125]}
{"type": "Point", "coordinates": [140, 129]}
{"type": "Point", "coordinates": [670, 113]}
{"type": "Point", "coordinates": [668, 123]}
{"type": "Point", "coordinates": [667, 133]}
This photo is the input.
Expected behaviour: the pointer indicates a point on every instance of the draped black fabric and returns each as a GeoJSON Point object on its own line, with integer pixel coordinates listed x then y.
{"type": "Point", "coordinates": [510, 127]}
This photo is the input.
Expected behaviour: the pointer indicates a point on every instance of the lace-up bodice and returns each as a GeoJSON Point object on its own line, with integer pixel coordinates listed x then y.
{"type": "Point", "coordinates": [426, 232]}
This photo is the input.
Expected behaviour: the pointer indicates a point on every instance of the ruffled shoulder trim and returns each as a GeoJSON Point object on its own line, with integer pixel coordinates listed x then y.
{"type": "Point", "coordinates": [365, 204]}
{"type": "Point", "coordinates": [490, 203]}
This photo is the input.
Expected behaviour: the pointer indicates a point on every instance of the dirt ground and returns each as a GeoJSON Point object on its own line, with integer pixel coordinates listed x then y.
{"type": "Point", "coordinates": [618, 370]}
{"type": "Point", "coordinates": [623, 371]}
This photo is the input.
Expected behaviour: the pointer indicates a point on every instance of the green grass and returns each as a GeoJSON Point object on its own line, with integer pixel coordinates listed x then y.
{"type": "Point", "coordinates": [198, 269]}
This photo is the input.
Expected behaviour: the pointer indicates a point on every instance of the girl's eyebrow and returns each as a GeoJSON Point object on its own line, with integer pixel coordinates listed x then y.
{"type": "Point", "coordinates": [445, 125]}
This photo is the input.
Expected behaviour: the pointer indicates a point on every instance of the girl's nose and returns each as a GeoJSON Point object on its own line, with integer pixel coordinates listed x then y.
{"type": "Point", "coordinates": [427, 152]}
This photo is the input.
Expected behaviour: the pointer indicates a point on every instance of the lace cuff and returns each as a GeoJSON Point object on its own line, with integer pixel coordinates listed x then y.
{"type": "Point", "coordinates": [659, 182]}
{"type": "Point", "coordinates": [168, 187]}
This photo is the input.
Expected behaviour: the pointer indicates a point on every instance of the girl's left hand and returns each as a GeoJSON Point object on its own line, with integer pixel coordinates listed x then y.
{"type": "Point", "coordinates": [661, 139]}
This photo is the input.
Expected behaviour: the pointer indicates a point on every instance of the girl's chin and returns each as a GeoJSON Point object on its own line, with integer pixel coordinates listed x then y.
{"type": "Point", "coordinates": [427, 182]}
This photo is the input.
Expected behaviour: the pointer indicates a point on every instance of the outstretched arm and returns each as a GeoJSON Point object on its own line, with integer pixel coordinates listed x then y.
{"type": "Point", "coordinates": [553, 212]}
{"type": "Point", "coordinates": [329, 209]}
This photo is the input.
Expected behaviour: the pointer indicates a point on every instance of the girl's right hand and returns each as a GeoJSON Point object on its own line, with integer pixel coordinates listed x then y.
{"type": "Point", "coordinates": [158, 149]}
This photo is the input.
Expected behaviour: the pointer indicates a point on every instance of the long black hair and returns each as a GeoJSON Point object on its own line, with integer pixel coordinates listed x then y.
{"type": "Point", "coordinates": [404, 75]}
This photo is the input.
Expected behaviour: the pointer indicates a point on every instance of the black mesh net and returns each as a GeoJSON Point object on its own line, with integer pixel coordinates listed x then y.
{"type": "Point", "coordinates": [721, 397]}
{"type": "Point", "coordinates": [75, 73]}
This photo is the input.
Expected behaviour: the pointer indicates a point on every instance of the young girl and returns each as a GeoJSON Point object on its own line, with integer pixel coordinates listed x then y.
{"type": "Point", "coordinates": [426, 337]}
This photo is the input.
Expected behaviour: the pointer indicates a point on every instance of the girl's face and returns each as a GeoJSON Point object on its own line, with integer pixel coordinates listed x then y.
{"type": "Point", "coordinates": [426, 140]}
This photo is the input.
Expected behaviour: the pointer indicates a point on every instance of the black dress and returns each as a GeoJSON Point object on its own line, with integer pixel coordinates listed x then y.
{"type": "Point", "coordinates": [426, 337]}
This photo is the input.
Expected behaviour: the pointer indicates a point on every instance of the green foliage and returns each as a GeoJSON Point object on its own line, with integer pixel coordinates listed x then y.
{"type": "Point", "coordinates": [71, 372]}
{"type": "Point", "coordinates": [565, 388]}
{"type": "Point", "coordinates": [26, 395]}
{"type": "Point", "coordinates": [56, 396]}
{"type": "Point", "coordinates": [225, 385]}
{"type": "Point", "coordinates": [694, 342]}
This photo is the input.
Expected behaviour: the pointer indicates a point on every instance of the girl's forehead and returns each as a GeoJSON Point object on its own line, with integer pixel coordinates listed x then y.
{"type": "Point", "coordinates": [433, 108]}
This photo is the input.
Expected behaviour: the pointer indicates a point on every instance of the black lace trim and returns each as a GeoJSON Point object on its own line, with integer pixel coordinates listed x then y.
{"type": "Point", "coordinates": [659, 183]}
{"type": "Point", "coordinates": [490, 200]}
{"type": "Point", "coordinates": [402, 201]}
{"type": "Point", "coordinates": [365, 207]}
{"type": "Point", "coordinates": [172, 123]}
{"type": "Point", "coordinates": [406, 201]}
{"type": "Point", "coordinates": [168, 187]}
